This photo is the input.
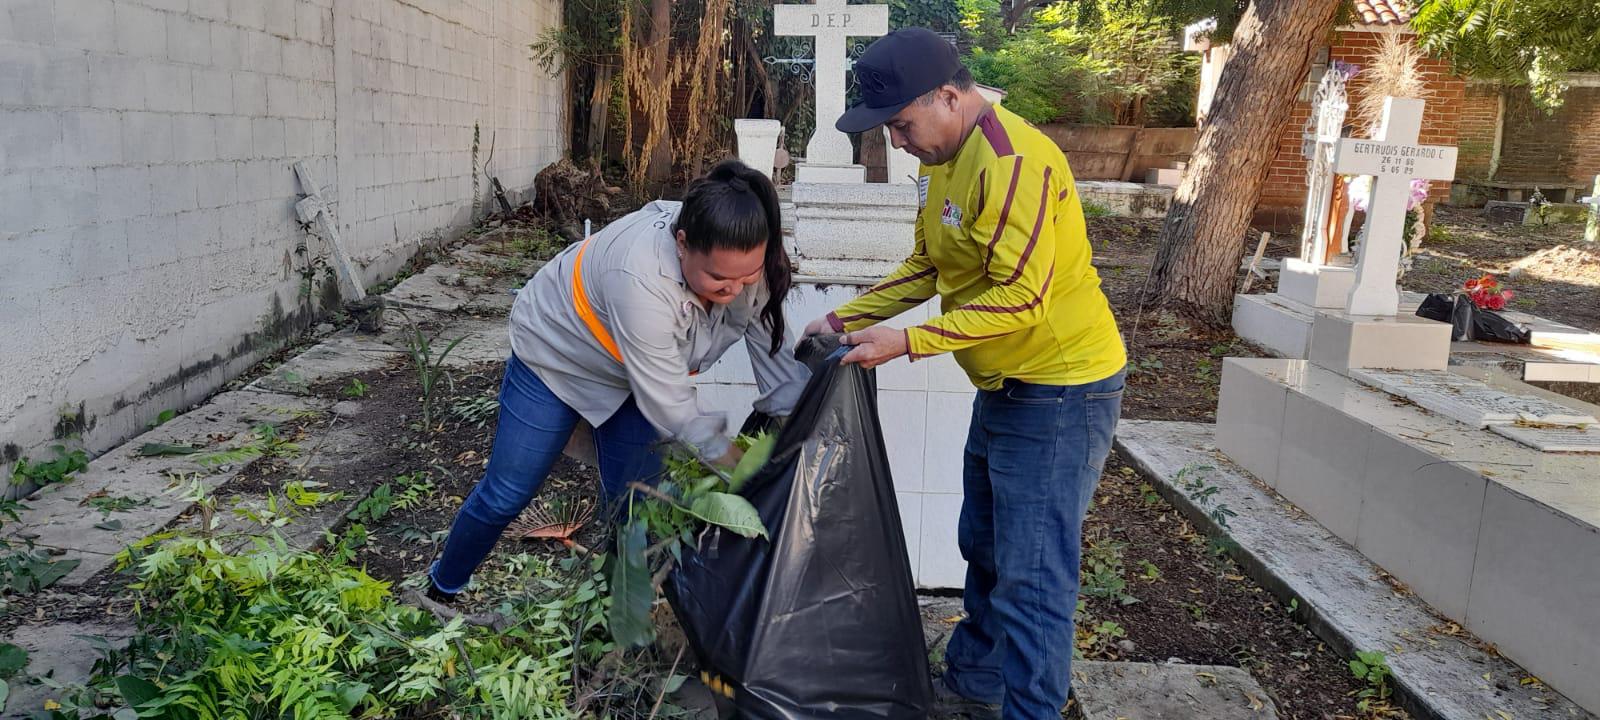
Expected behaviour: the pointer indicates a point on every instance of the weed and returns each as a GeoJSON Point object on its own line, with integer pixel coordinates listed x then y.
{"type": "Point", "coordinates": [1196, 611]}
{"type": "Point", "coordinates": [108, 504]}
{"type": "Point", "coordinates": [1147, 365]}
{"type": "Point", "coordinates": [263, 441]}
{"type": "Point", "coordinates": [163, 418]}
{"type": "Point", "coordinates": [1093, 638]}
{"type": "Point", "coordinates": [477, 410]}
{"type": "Point", "coordinates": [1371, 667]}
{"type": "Point", "coordinates": [356, 389]}
{"type": "Point", "coordinates": [1192, 478]}
{"type": "Point", "coordinates": [1103, 574]}
{"type": "Point", "coordinates": [375, 506]}
{"type": "Point", "coordinates": [1148, 571]}
{"type": "Point", "coordinates": [428, 366]}
{"type": "Point", "coordinates": [51, 472]}
{"type": "Point", "coordinates": [1148, 495]}
{"type": "Point", "coordinates": [1205, 370]}
{"type": "Point", "coordinates": [1092, 209]}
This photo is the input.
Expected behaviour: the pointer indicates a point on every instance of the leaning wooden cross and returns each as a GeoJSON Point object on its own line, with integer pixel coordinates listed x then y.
{"type": "Point", "coordinates": [313, 210]}
{"type": "Point", "coordinates": [1394, 158]}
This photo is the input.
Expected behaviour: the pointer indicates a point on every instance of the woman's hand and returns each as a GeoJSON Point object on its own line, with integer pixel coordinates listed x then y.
{"type": "Point", "coordinates": [730, 460]}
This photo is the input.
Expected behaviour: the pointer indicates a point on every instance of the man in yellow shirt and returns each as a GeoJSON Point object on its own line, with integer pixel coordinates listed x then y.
{"type": "Point", "coordinates": [1000, 239]}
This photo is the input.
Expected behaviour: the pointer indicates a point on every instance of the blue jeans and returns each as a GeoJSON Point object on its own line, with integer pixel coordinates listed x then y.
{"type": "Point", "coordinates": [532, 430]}
{"type": "Point", "coordinates": [1033, 458]}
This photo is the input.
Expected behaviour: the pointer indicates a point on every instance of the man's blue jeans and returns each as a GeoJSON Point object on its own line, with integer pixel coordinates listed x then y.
{"type": "Point", "coordinates": [1033, 458]}
{"type": "Point", "coordinates": [533, 428]}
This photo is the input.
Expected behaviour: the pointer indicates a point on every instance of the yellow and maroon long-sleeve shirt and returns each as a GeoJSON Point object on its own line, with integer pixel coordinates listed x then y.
{"type": "Point", "coordinates": [1000, 238]}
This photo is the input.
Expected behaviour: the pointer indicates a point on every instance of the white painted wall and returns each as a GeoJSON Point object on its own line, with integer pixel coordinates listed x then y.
{"type": "Point", "coordinates": [147, 239]}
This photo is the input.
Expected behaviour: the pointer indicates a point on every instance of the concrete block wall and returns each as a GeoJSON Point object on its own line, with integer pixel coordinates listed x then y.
{"type": "Point", "coordinates": [147, 230]}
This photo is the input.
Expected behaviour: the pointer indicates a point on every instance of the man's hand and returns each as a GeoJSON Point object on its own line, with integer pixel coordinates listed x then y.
{"type": "Point", "coordinates": [819, 326]}
{"type": "Point", "coordinates": [875, 346]}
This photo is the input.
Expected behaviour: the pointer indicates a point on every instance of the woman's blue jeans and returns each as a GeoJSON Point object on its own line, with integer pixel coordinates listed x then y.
{"type": "Point", "coordinates": [533, 428]}
{"type": "Point", "coordinates": [1033, 458]}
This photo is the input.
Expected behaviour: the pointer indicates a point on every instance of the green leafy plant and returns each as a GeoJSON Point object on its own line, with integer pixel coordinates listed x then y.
{"type": "Point", "coordinates": [1372, 668]}
{"type": "Point", "coordinates": [50, 472]}
{"type": "Point", "coordinates": [12, 661]}
{"type": "Point", "coordinates": [428, 365]}
{"type": "Point", "coordinates": [356, 389]}
{"type": "Point", "coordinates": [691, 496]}
{"type": "Point", "coordinates": [1092, 209]}
{"type": "Point", "coordinates": [1103, 574]}
{"type": "Point", "coordinates": [477, 410]}
{"type": "Point", "coordinates": [108, 504]}
{"type": "Point", "coordinates": [262, 441]}
{"type": "Point", "coordinates": [163, 418]}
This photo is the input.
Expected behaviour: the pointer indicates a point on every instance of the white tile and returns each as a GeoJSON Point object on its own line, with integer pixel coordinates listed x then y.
{"type": "Point", "coordinates": [949, 415]}
{"type": "Point", "coordinates": [1419, 520]}
{"type": "Point", "coordinates": [910, 505]}
{"type": "Point", "coordinates": [941, 565]}
{"type": "Point", "coordinates": [1536, 592]}
{"type": "Point", "coordinates": [945, 375]}
{"type": "Point", "coordinates": [1321, 463]}
{"type": "Point", "coordinates": [1250, 418]}
{"type": "Point", "coordinates": [903, 415]}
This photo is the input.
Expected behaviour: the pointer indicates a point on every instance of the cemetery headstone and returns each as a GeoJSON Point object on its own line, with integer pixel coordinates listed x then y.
{"type": "Point", "coordinates": [1394, 158]}
{"type": "Point", "coordinates": [831, 22]}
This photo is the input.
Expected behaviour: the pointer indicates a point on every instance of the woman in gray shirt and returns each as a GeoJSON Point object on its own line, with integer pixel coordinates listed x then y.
{"type": "Point", "coordinates": [610, 331]}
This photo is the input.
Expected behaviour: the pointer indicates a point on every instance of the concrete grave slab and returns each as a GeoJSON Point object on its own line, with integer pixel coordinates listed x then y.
{"type": "Point", "coordinates": [1342, 596]}
{"type": "Point", "coordinates": [61, 651]}
{"type": "Point", "coordinates": [344, 354]}
{"type": "Point", "coordinates": [1554, 439]}
{"type": "Point", "coordinates": [443, 287]}
{"type": "Point", "coordinates": [1149, 691]}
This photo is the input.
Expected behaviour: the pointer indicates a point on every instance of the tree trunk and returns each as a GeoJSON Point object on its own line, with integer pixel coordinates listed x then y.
{"type": "Point", "coordinates": [599, 109]}
{"type": "Point", "coordinates": [1198, 261]}
{"type": "Point", "coordinates": [660, 168]}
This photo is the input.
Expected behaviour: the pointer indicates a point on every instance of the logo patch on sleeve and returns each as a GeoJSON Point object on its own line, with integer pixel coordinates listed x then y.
{"type": "Point", "coordinates": [922, 190]}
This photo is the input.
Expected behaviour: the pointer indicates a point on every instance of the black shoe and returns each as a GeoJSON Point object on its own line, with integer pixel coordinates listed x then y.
{"type": "Point", "coordinates": [947, 703]}
{"type": "Point", "coordinates": [440, 596]}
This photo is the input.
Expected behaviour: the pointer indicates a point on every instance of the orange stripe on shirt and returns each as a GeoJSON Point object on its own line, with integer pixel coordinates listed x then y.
{"type": "Point", "coordinates": [580, 303]}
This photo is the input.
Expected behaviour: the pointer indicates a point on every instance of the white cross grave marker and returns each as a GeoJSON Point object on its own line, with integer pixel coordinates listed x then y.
{"type": "Point", "coordinates": [830, 22]}
{"type": "Point", "coordinates": [1394, 158]}
{"type": "Point", "coordinates": [1591, 232]}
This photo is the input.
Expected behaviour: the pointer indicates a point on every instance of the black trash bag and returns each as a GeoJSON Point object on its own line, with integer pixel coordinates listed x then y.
{"type": "Point", "coordinates": [822, 619]}
{"type": "Point", "coordinates": [1470, 322]}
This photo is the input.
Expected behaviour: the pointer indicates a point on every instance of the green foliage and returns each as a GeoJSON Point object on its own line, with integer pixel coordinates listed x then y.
{"type": "Point", "coordinates": [428, 366]}
{"type": "Point", "coordinates": [278, 632]}
{"type": "Point", "coordinates": [262, 441]}
{"type": "Point", "coordinates": [108, 504]}
{"type": "Point", "coordinates": [1103, 574]}
{"type": "Point", "coordinates": [50, 472]}
{"type": "Point", "coordinates": [356, 389]}
{"type": "Point", "coordinates": [1536, 42]}
{"type": "Point", "coordinates": [1092, 209]}
{"type": "Point", "coordinates": [690, 497]}
{"type": "Point", "coordinates": [477, 410]}
{"type": "Point", "coordinates": [1372, 668]}
{"type": "Point", "coordinates": [1093, 61]}
{"type": "Point", "coordinates": [28, 571]}
{"type": "Point", "coordinates": [163, 418]}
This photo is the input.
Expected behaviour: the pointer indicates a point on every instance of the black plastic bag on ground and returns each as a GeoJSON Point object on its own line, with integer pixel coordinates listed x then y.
{"type": "Point", "coordinates": [822, 619]}
{"type": "Point", "coordinates": [1469, 322]}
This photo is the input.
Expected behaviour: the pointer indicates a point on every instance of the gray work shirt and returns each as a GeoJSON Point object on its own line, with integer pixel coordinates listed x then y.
{"type": "Point", "coordinates": [634, 283]}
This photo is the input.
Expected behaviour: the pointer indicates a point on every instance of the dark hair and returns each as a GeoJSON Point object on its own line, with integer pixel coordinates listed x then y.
{"type": "Point", "coordinates": [962, 80]}
{"type": "Point", "coordinates": [734, 207]}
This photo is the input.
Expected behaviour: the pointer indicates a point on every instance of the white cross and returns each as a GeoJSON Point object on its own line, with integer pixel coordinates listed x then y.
{"type": "Point", "coordinates": [313, 210]}
{"type": "Point", "coordinates": [1592, 232]}
{"type": "Point", "coordinates": [830, 22]}
{"type": "Point", "coordinates": [1394, 158]}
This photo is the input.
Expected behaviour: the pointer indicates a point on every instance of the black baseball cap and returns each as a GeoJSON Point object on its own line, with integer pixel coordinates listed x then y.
{"type": "Point", "coordinates": [895, 70]}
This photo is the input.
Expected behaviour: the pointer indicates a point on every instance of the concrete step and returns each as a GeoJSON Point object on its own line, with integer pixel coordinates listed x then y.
{"type": "Point", "coordinates": [1440, 671]}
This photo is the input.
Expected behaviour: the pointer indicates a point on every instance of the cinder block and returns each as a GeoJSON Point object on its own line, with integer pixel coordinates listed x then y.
{"type": "Point", "coordinates": [146, 137]}
{"type": "Point", "coordinates": [124, 191]}
{"type": "Point", "coordinates": [64, 198]}
{"type": "Point", "coordinates": [84, 25]}
{"type": "Point", "coordinates": [255, 180]}
{"type": "Point", "coordinates": [263, 52]}
{"type": "Point", "coordinates": [16, 211]}
{"type": "Point", "coordinates": [213, 91]}
{"type": "Point", "coordinates": [172, 189]}
{"type": "Point", "coordinates": [141, 32]}
{"type": "Point", "coordinates": [216, 10]}
{"type": "Point", "coordinates": [248, 13]}
{"type": "Point", "coordinates": [194, 138]}
{"type": "Point", "coordinates": [218, 184]}
{"type": "Point", "coordinates": [32, 138]}
{"type": "Point", "coordinates": [249, 93]}
{"type": "Point", "coordinates": [227, 46]}
{"type": "Point", "coordinates": [188, 39]}
{"type": "Point", "coordinates": [90, 139]}
{"type": "Point", "coordinates": [235, 139]}
{"type": "Point", "coordinates": [168, 87]}
{"type": "Point", "coordinates": [269, 137]}
{"type": "Point", "coordinates": [29, 21]}
{"type": "Point", "coordinates": [311, 23]}
{"type": "Point", "coordinates": [117, 83]}
{"type": "Point", "coordinates": [284, 97]}
{"type": "Point", "coordinates": [306, 61]}
{"type": "Point", "coordinates": [280, 19]}
{"type": "Point", "coordinates": [96, 252]}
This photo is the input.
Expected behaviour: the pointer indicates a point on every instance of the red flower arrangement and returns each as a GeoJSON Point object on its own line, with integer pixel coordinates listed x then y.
{"type": "Point", "coordinates": [1485, 293]}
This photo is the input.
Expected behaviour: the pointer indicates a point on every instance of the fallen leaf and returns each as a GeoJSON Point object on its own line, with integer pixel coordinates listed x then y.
{"type": "Point", "coordinates": [1255, 702]}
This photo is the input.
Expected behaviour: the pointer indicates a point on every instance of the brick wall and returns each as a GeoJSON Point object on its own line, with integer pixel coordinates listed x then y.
{"type": "Point", "coordinates": [1284, 192]}
{"type": "Point", "coordinates": [146, 189]}
{"type": "Point", "coordinates": [1480, 115]}
{"type": "Point", "coordinates": [1545, 147]}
